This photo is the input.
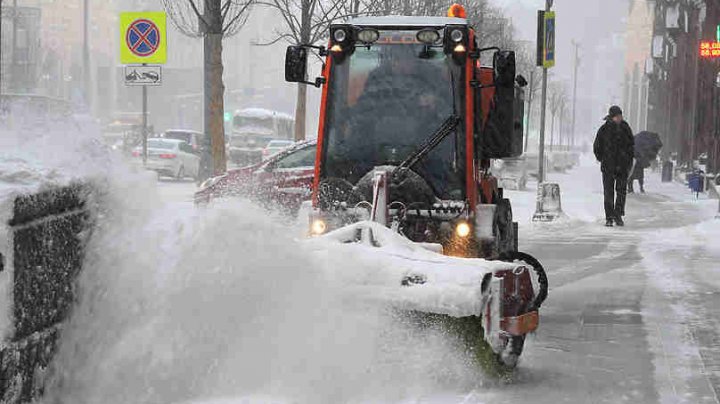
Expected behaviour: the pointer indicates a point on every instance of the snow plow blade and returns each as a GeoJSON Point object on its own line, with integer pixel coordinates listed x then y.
{"type": "Point", "coordinates": [491, 305]}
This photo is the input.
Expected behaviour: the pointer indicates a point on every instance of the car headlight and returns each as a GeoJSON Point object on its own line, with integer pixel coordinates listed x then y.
{"type": "Point", "coordinates": [209, 182]}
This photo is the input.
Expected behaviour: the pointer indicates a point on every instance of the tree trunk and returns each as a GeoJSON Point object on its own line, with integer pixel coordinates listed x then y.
{"type": "Point", "coordinates": [213, 155]}
{"type": "Point", "coordinates": [301, 103]}
{"type": "Point", "coordinates": [207, 168]}
{"type": "Point", "coordinates": [300, 112]}
{"type": "Point", "coordinates": [215, 103]}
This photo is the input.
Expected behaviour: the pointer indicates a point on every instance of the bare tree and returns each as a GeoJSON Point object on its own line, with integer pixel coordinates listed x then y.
{"type": "Point", "coordinates": [306, 22]}
{"type": "Point", "coordinates": [557, 102]}
{"type": "Point", "coordinates": [525, 59]}
{"type": "Point", "coordinates": [212, 20]}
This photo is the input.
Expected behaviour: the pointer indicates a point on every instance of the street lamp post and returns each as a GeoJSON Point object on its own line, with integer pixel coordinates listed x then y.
{"type": "Point", "coordinates": [86, 52]}
{"type": "Point", "coordinates": [543, 106]}
{"type": "Point", "coordinates": [574, 100]}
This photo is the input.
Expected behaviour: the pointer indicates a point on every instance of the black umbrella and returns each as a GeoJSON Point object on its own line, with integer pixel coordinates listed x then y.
{"type": "Point", "coordinates": [647, 146]}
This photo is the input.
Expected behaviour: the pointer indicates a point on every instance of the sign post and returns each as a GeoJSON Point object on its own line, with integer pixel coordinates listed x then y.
{"type": "Point", "coordinates": [546, 60]}
{"type": "Point", "coordinates": [143, 41]}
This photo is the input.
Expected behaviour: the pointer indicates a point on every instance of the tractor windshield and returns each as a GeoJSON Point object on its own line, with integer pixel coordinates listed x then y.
{"type": "Point", "coordinates": [387, 99]}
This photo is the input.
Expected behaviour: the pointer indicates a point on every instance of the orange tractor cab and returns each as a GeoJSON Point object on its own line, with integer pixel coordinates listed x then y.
{"type": "Point", "coordinates": [409, 122]}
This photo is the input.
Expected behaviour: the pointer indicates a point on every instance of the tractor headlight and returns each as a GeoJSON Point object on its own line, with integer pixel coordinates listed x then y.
{"type": "Point", "coordinates": [318, 227]}
{"type": "Point", "coordinates": [462, 229]}
{"type": "Point", "coordinates": [339, 35]}
{"type": "Point", "coordinates": [428, 36]}
{"type": "Point", "coordinates": [368, 35]}
{"type": "Point", "coordinates": [456, 35]}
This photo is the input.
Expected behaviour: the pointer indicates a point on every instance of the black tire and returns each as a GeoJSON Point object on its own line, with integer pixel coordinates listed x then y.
{"type": "Point", "coordinates": [180, 174]}
{"type": "Point", "coordinates": [539, 271]}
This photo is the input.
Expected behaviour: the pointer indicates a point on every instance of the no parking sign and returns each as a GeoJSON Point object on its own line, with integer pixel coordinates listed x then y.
{"type": "Point", "coordinates": [143, 38]}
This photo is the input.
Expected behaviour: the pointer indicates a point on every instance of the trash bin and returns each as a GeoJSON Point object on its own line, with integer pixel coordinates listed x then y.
{"type": "Point", "coordinates": [667, 171]}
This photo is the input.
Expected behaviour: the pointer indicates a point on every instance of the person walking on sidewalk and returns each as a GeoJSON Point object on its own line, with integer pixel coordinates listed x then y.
{"type": "Point", "coordinates": [638, 173]}
{"type": "Point", "coordinates": [614, 149]}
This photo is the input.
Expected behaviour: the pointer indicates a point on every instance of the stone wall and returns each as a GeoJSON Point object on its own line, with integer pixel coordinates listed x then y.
{"type": "Point", "coordinates": [48, 232]}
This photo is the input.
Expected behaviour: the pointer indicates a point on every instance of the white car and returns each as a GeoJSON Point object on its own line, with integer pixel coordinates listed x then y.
{"type": "Point", "coordinates": [275, 147]}
{"type": "Point", "coordinates": [170, 157]}
{"type": "Point", "coordinates": [512, 173]}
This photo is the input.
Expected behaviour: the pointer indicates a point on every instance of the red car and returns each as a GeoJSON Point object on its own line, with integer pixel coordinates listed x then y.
{"type": "Point", "coordinates": [284, 180]}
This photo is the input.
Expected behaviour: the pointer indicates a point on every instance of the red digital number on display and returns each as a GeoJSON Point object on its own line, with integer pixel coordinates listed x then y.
{"type": "Point", "coordinates": [709, 49]}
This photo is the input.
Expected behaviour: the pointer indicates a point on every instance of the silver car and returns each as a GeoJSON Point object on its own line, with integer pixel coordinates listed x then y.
{"type": "Point", "coordinates": [170, 157]}
{"type": "Point", "coordinates": [513, 174]}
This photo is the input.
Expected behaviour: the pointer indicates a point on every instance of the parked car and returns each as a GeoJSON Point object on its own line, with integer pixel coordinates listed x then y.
{"type": "Point", "coordinates": [532, 164]}
{"type": "Point", "coordinates": [275, 147]}
{"type": "Point", "coordinates": [170, 157]}
{"type": "Point", "coordinates": [512, 173]}
{"type": "Point", "coordinates": [283, 180]}
{"type": "Point", "coordinates": [197, 140]}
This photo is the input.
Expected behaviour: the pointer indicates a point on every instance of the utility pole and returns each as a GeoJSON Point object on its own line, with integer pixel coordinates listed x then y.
{"type": "Point", "coordinates": [529, 113]}
{"type": "Point", "coordinates": [86, 53]}
{"type": "Point", "coordinates": [13, 46]}
{"type": "Point", "coordinates": [574, 101]}
{"type": "Point", "coordinates": [542, 53]}
{"type": "Point", "coordinates": [1, 47]}
{"type": "Point", "coordinates": [543, 105]}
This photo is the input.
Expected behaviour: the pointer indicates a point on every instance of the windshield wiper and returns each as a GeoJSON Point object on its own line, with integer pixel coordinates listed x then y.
{"type": "Point", "coordinates": [429, 144]}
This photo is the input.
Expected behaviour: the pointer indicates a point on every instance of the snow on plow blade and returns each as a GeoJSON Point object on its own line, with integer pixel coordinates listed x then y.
{"type": "Point", "coordinates": [382, 266]}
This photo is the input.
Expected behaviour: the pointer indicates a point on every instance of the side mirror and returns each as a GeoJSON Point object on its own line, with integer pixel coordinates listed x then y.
{"type": "Point", "coordinates": [504, 68]}
{"type": "Point", "coordinates": [521, 81]}
{"type": "Point", "coordinates": [295, 64]}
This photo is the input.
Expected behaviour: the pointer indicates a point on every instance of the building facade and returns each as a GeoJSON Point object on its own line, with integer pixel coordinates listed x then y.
{"type": "Point", "coordinates": [676, 92]}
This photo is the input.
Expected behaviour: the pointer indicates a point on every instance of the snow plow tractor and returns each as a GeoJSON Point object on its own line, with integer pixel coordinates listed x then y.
{"type": "Point", "coordinates": [409, 124]}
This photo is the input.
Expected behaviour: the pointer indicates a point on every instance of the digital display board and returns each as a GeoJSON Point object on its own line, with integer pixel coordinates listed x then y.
{"type": "Point", "coordinates": [710, 49]}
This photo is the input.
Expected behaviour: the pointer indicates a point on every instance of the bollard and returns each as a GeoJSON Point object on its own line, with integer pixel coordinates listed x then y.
{"type": "Point", "coordinates": [548, 207]}
{"type": "Point", "coordinates": [667, 171]}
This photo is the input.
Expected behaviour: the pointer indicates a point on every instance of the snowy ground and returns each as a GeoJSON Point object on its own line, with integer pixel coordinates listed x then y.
{"type": "Point", "coordinates": [224, 306]}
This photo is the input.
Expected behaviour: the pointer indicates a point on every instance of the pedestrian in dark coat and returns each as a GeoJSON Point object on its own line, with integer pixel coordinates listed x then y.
{"type": "Point", "coordinates": [638, 173]}
{"type": "Point", "coordinates": [614, 149]}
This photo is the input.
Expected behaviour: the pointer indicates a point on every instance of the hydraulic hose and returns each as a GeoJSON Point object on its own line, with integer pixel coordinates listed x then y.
{"type": "Point", "coordinates": [540, 297]}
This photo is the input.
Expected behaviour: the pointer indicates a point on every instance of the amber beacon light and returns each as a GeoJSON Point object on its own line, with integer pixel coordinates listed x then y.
{"type": "Point", "coordinates": [457, 11]}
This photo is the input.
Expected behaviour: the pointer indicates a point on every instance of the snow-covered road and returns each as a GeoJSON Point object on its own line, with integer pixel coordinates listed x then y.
{"type": "Point", "coordinates": [633, 312]}
{"type": "Point", "coordinates": [220, 307]}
